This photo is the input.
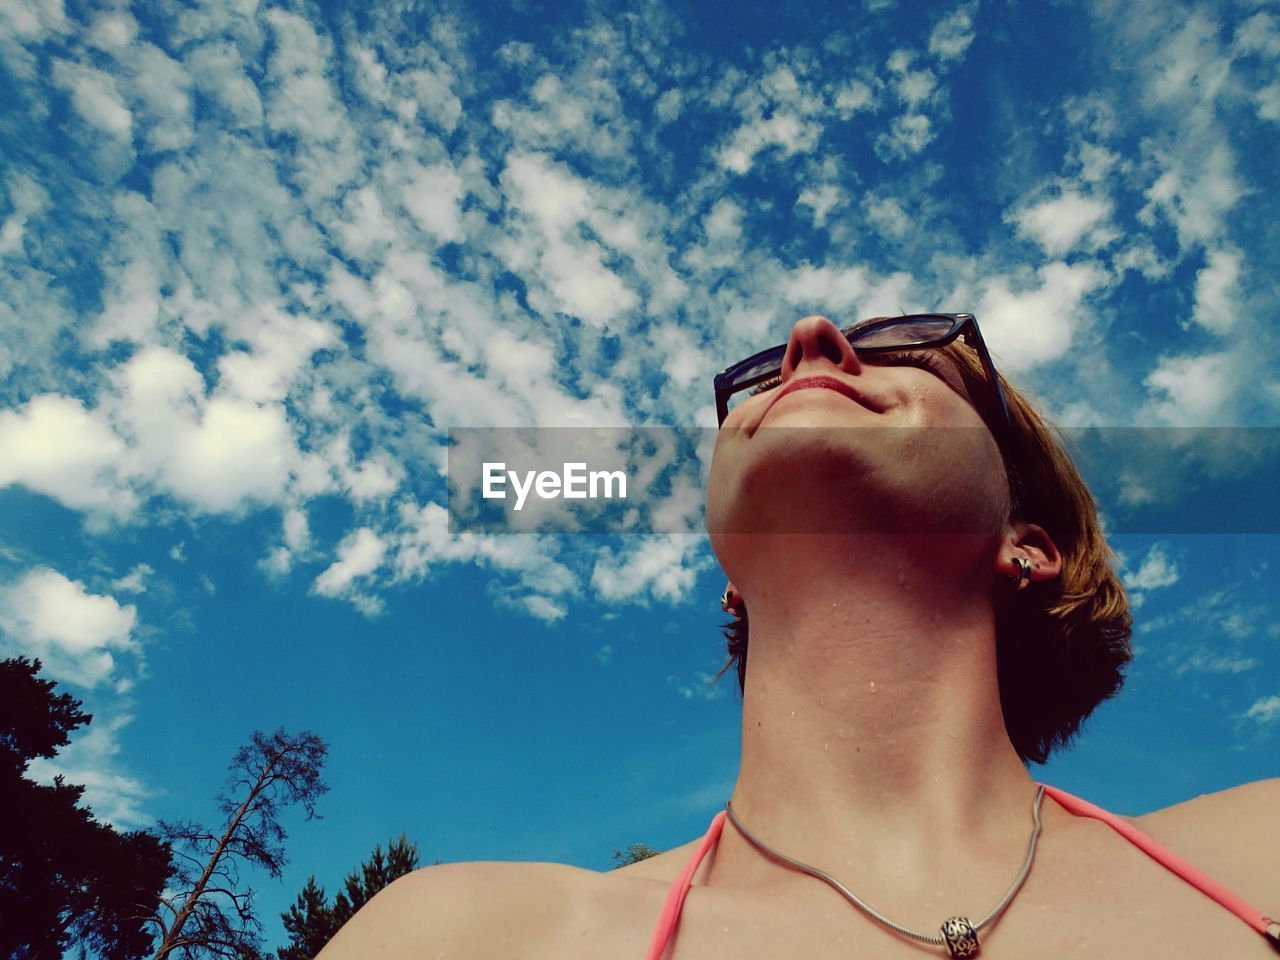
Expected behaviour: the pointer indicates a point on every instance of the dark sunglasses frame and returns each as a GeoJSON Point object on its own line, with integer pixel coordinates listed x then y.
{"type": "Point", "coordinates": [963, 325]}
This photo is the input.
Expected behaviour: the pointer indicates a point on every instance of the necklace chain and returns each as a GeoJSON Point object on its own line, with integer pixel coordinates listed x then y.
{"type": "Point", "coordinates": [875, 914]}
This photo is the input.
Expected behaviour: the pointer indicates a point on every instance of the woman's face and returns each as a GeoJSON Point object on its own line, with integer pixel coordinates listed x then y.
{"type": "Point", "coordinates": [843, 444]}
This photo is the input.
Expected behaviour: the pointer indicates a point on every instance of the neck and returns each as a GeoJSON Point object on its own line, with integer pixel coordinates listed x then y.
{"type": "Point", "coordinates": [872, 729]}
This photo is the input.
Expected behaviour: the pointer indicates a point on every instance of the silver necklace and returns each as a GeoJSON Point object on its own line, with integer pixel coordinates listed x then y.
{"type": "Point", "coordinates": [959, 936]}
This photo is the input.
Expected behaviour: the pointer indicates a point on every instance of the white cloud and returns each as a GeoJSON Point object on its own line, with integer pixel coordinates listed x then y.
{"type": "Point", "coordinates": [216, 453]}
{"type": "Point", "coordinates": [423, 541]}
{"type": "Point", "coordinates": [280, 347]}
{"type": "Point", "coordinates": [218, 70]}
{"type": "Point", "coordinates": [1037, 323]}
{"type": "Point", "coordinates": [73, 631]}
{"type": "Point", "coordinates": [54, 446]}
{"type": "Point", "coordinates": [575, 108]}
{"type": "Point", "coordinates": [95, 97]}
{"type": "Point", "coordinates": [907, 135]}
{"type": "Point", "coordinates": [572, 269]}
{"type": "Point", "coordinates": [113, 31]}
{"type": "Point", "coordinates": [1212, 661]}
{"type": "Point", "coordinates": [952, 35]}
{"type": "Point", "coordinates": [92, 760]}
{"type": "Point", "coordinates": [135, 581]}
{"type": "Point", "coordinates": [1190, 390]}
{"type": "Point", "coordinates": [1268, 101]}
{"type": "Point", "coordinates": [297, 533]}
{"type": "Point", "coordinates": [162, 90]}
{"type": "Point", "coordinates": [366, 229]}
{"type": "Point", "coordinates": [1264, 710]}
{"type": "Point", "coordinates": [1156, 570]}
{"type": "Point", "coordinates": [1067, 221]}
{"type": "Point", "coordinates": [664, 567]}
{"type": "Point", "coordinates": [887, 215]}
{"type": "Point", "coordinates": [28, 199]}
{"type": "Point", "coordinates": [913, 87]}
{"type": "Point", "coordinates": [433, 93]}
{"type": "Point", "coordinates": [669, 105]}
{"type": "Point", "coordinates": [705, 687]}
{"type": "Point", "coordinates": [1197, 189]}
{"type": "Point", "coordinates": [360, 554]}
{"type": "Point", "coordinates": [822, 199]}
{"type": "Point", "coordinates": [852, 97]}
{"type": "Point", "coordinates": [792, 134]}
{"type": "Point", "coordinates": [32, 20]}
{"type": "Point", "coordinates": [238, 451]}
{"type": "Point", "coordinates": [778, 110]}
{"type": "Point", "coordinates": [1096, 162]}
{"type": "Point", "coordinates": [1216, 308]}
{"type": "Point", "coordinates": [542, 609]}
{"type": "Point", "coordinates": [302, 100]}
{"type": "Point", "coordinates": [433, 197]}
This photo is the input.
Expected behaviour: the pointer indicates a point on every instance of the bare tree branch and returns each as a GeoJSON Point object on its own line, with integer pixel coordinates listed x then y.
{"type": "Point", "coordinates": [213, 911]}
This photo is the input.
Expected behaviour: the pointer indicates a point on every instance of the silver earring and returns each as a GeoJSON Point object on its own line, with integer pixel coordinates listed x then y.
{"type": "Point", "coordinates": [1024, 572]}
{"type": "Point", "coordinates": [725, 604]}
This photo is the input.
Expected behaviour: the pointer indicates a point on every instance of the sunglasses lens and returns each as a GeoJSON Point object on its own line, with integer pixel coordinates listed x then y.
{"type": "Point", "coordinates": [887, 333]}
{"type": "Point", "coordinates": [767, 363]}
{"type": "Point", "coordinates": [905, 332]}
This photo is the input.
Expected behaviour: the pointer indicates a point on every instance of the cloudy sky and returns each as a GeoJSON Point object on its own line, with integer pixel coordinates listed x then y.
{"type": "Point", "coordinates": [257, 259]}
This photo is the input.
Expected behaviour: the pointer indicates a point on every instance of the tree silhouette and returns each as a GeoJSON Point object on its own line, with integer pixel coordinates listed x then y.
{"type": "Point", "coordinates": [633, 854]}
{"type": "Point", "coordinates": [312, 921]}
{"type": "Point", "coordinates": [208, 911]}
{"type": "Point", "coordinates": [66, 880]}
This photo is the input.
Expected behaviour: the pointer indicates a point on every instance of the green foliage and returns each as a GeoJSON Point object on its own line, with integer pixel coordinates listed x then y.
{"type": "Point", "coordinates": [66, 880]}
{"type": "Point", "coordinates": [312, 920]}
{"type": "Point", "coordinates": [633, 854]}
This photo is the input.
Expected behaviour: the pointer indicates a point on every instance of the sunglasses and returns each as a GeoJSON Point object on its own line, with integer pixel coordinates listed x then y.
{"type": "Point", "coordinates": [869, 337]}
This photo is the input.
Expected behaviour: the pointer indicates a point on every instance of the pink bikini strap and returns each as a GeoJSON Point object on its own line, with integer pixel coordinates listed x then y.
{"type": "Point", "coordinates": [670, 915]}
{"type": "Point", "coordinates": [1201, 881]}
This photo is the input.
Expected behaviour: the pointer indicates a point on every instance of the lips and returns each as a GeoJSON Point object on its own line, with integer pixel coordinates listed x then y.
{"type": "Point", "coordinates": [828, 383]}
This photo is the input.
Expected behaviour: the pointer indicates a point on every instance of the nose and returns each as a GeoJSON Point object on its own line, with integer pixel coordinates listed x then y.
{"type": "Point", "coordinates": [815, 343]}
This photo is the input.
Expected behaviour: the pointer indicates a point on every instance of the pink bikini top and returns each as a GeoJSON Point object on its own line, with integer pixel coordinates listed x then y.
{"type": "Point", "coordinates": [670, 916]}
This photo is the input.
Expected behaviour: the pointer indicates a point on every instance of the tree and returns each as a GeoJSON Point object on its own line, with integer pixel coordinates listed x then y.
{"type": "Point", "coordinates": [209, 911]}
{"type": "Point", "coordinates": [633, 854]}
{"type": "Point", "coordinates": [312, 921]}
{"type": "Point", "coordinates": [65, 878]}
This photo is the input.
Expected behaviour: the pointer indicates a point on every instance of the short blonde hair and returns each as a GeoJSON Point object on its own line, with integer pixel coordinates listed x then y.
{"type": "Point", "coordinates": [1061, 644]}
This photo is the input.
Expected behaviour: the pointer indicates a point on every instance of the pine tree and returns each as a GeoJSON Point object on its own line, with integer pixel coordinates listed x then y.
{"type": "Point", "coordinates": [312, 921]}
{"type": "Point", "coordinates": [66, 879]}
{"type": "Point", "coordinates": [633, 854]}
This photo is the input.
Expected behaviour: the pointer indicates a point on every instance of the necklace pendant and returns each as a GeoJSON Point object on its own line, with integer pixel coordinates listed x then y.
{"type": "Point", "coordinates": [960, 937]}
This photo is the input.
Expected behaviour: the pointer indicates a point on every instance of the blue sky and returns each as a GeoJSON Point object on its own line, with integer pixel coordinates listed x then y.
{"type": "Point", "coordinates": [258, 258]}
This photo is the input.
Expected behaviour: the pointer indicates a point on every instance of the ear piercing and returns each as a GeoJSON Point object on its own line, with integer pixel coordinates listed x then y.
{"type": "Point", "coordinates": [1024, 572]}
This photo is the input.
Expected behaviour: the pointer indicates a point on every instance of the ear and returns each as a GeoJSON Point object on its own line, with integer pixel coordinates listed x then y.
{"type": "Point", "coordinates": [731, 601]}
{"type": "Point", "coordinates": [1031, 542]}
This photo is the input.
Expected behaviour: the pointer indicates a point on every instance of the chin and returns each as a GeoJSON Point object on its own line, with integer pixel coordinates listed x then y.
{"type": "Point", "coordinates": [795, 481]}
{"type": "Point", "coordinates": [853, 481]}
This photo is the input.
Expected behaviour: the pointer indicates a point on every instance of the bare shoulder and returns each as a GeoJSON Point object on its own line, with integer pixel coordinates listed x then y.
{"type": "Point", "coordinates": [663, 867]}
{"type": "Point", "coordinates": [1233, 835]}
{"type": "Point", "coordinates": [1239, 812]}
{"type": "Point", "coordinates": [488, 909]}
{"type": "Point", "coordinates": [457, 910]}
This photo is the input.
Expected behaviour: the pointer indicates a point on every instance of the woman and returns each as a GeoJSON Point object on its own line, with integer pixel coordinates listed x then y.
{"type": "Point", "coordinates": [929, 608]}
